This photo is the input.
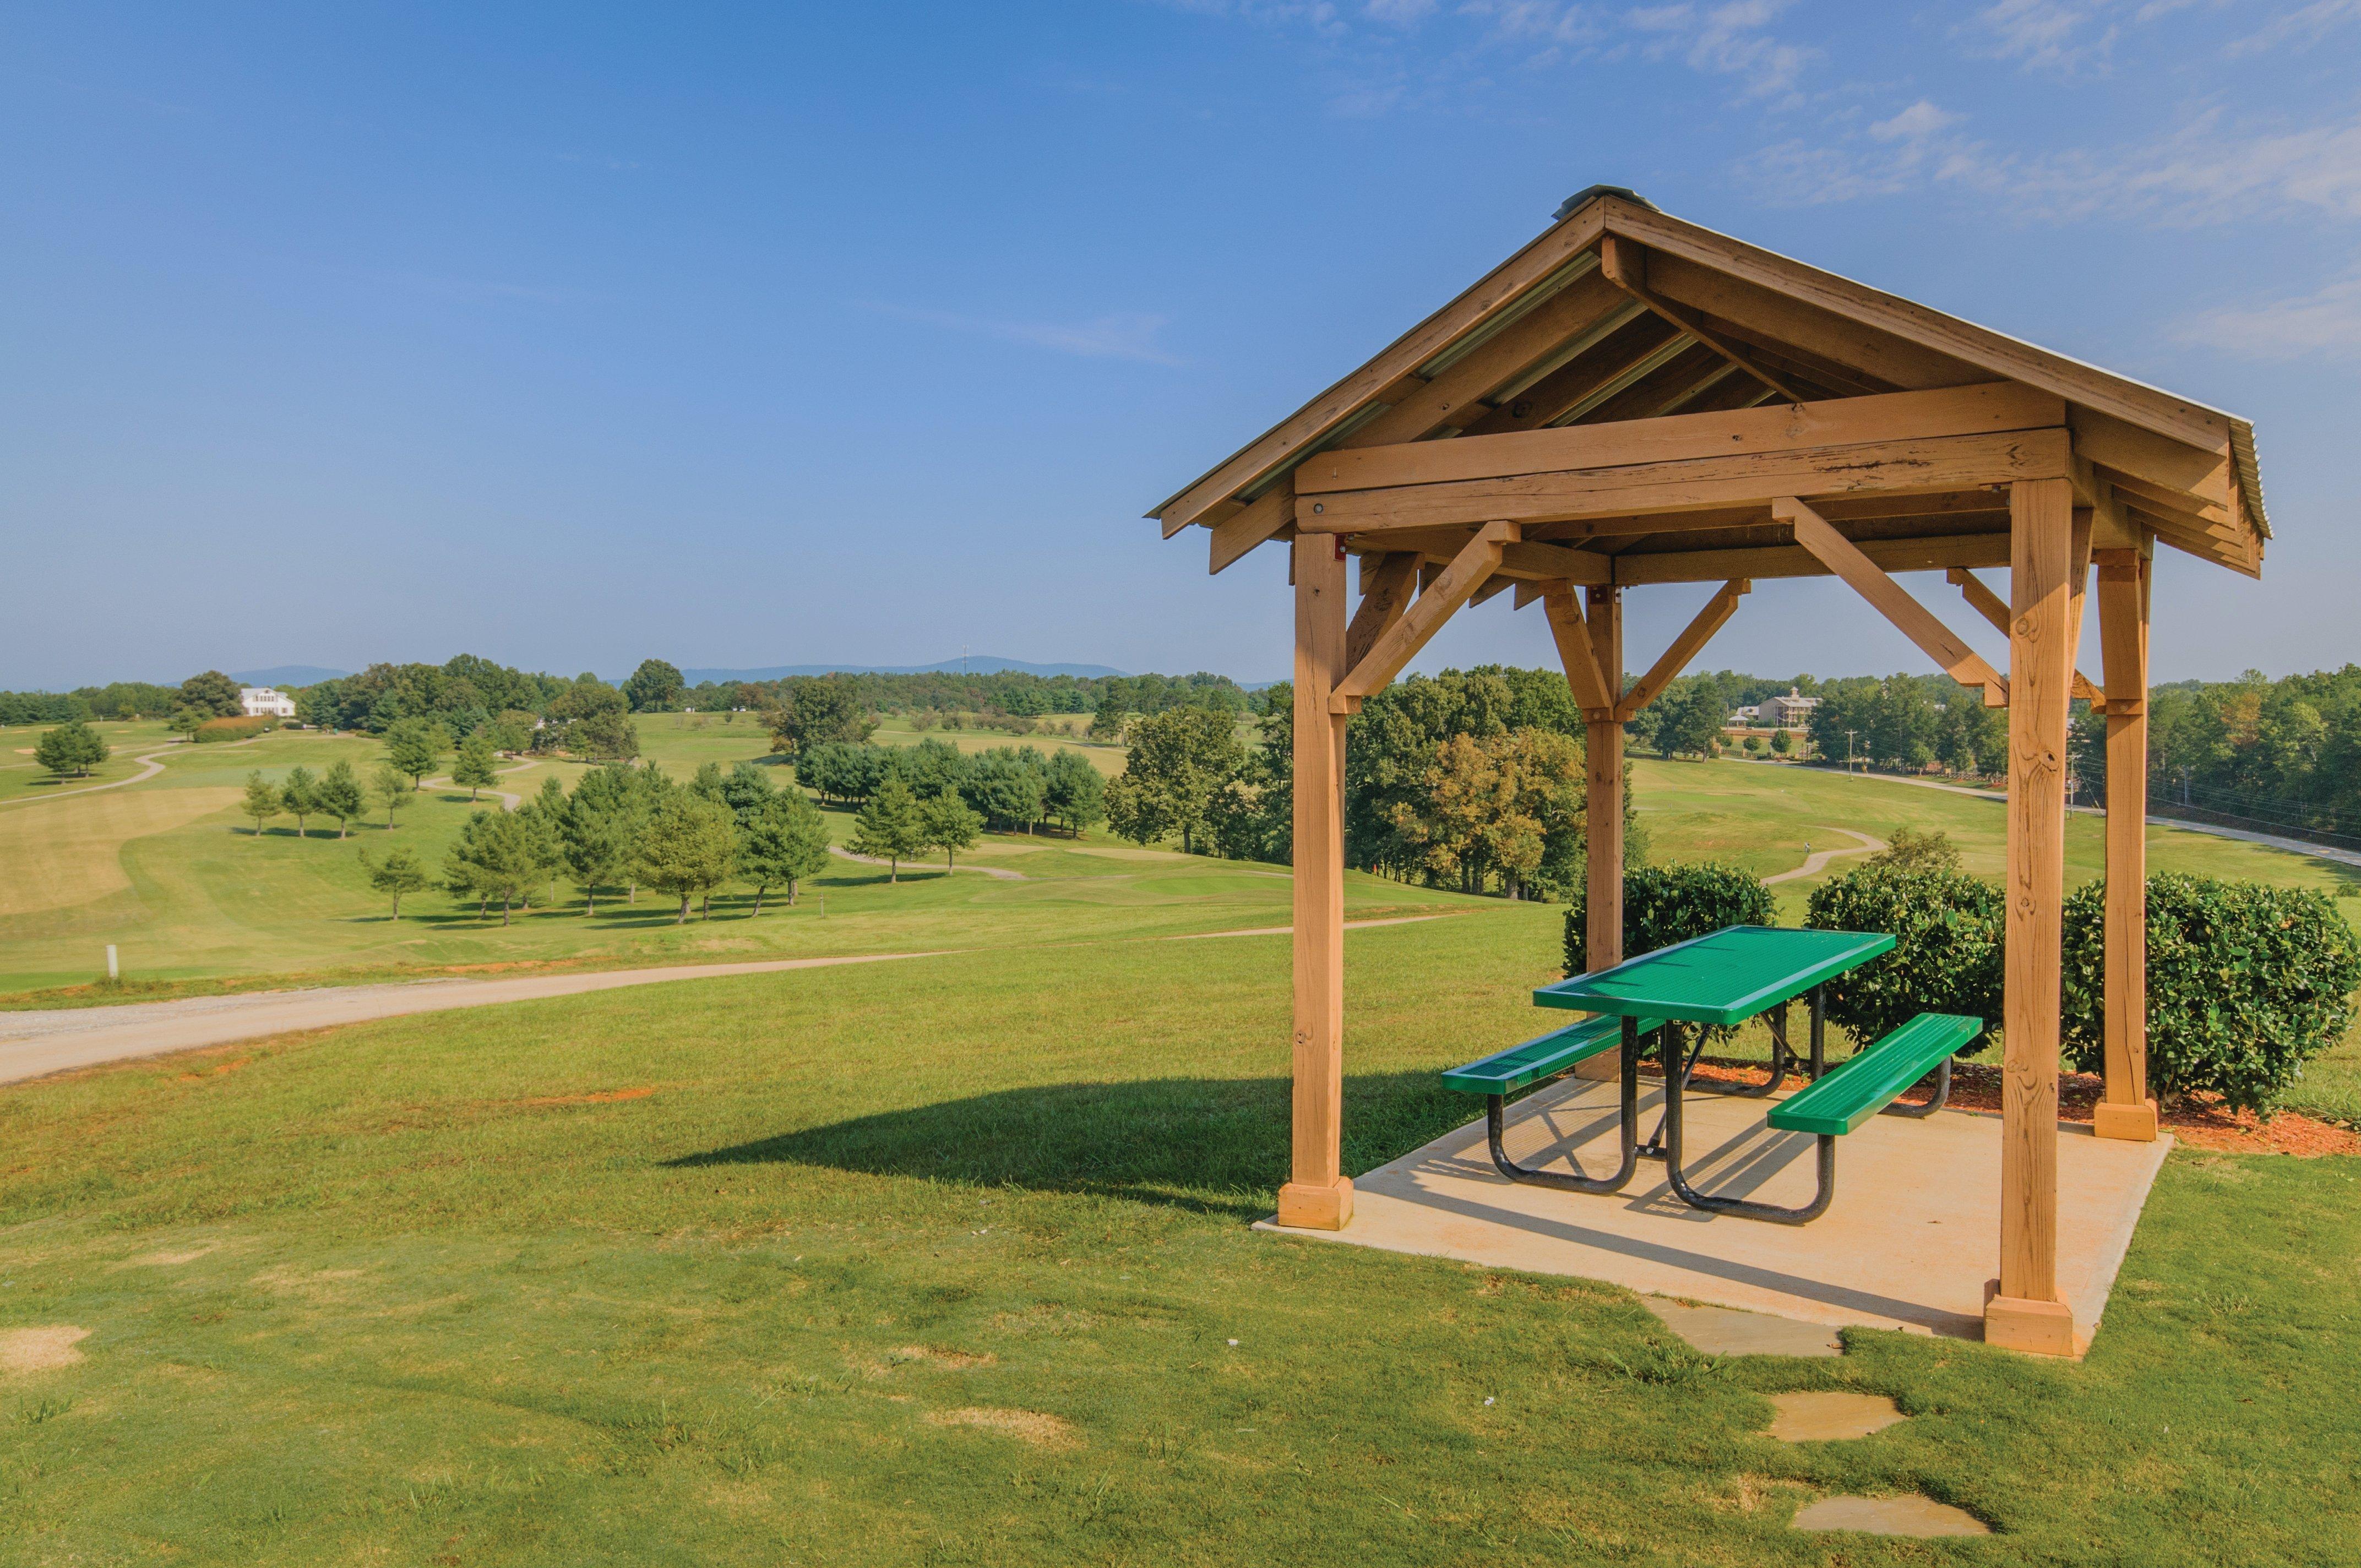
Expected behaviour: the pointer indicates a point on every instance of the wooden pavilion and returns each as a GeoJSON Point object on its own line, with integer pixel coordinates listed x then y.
{"type": "Point", "coordinates": [1632, 400]}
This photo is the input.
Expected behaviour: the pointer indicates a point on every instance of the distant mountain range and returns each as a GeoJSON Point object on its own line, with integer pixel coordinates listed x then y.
{"type": "Point", "coordinates": [287, 675]}
{"type": "Point", "coordinates": [980, 664]}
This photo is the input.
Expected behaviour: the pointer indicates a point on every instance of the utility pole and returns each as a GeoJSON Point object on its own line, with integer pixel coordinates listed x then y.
{"type": "Point", "coordinates": [1848, 734]}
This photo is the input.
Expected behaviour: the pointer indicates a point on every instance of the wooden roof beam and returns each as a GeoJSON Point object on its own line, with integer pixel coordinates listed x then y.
{"type": "Point", "coordinates": [1845, 558]}
{"type": "Point", "coordinates": [1626, 266]}
{"type": "Point", "coordinates": [1662, 492]}
{"type": "Point", "coordinates": [1687, 646]}
{"type": "Point", "coordinates": [1925, 554]}
{"type": "Point", "coordinates": [1401, 641]}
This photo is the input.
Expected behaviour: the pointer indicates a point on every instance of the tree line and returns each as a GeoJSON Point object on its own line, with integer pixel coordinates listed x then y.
{"type": "Point", "coordinates": [1910, 724]}
{"type": "Point", "coordinates": [1014, 788]}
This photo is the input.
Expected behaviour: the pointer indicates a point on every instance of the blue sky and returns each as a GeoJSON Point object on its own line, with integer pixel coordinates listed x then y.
{"type": "Point", "coordinates": [573, 334]}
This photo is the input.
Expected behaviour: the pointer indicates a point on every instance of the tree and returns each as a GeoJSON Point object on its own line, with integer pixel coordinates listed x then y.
{"type": "Point", "coordinates": [299, 795]}
{"type": "Point", "coordinates": [1689, 717]}
{"type": "Point", "coordinates": [1075, 791]}
{"type": "Point", "coordinates": [72, 747]}
{"type": "Point", "coordinates": [1917, 850]}
{"type": "Point", "coordinates": [476, 764]}
{"type": "Point", "coordinates": [546, 815]}
{"type": "Point", "coordinates": [817, 713]}
{"type": "Point", "coordinates": [212, 696]}
{"type": "Point", "coordinates": [746, 790]}
{"type": "Point", "coordinates": [609, 736]}
{"type": "Point", "coordinates": [510, 731]}
{"type": "Point", "coordinates": [495, 857]}
{"type": "Point", "coordinates": [889, 828]}
{"type": "Point", "coordinates": [949, 826]}
{"type": "Point", "coordinates": [263, 801]}
{"type": "Point", "coordinates": [339, 794]}
{"type": "Point", "coordinates": [415, 746]}
{"type": "Point", "coordinates": [397, 873]}
{"type": "Point", "coordinates": [603, 821]}
{"type": "Point", "coordinates": [1507, 805]}
{"type": "Point", "coordinates": [687, 848]}
{"type": "Point", "coordinates": [1781, 742]}
{"type": "Point", "coordinates": [1007, 786]}
{"type": "Point", "coordinates": [783, 839]}
{"type": "Point", "coordinates": [1180, 760]}
{"type": "Point", "coordinates": [654, 686]}
{"type": "Point", "coordinates": [391, 786]}
{"type": "Point", "coordinates": [1115, 708]}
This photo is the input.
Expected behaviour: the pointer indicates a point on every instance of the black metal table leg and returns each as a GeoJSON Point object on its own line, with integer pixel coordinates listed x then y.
{"type": "Point", "coordinates": [1942, 1092]}
{"type": "Point", "coordinates": [1819, 1031]}
{"type": "Point", "coordinates": [1780, 1061]}
{"type": "Point", "coordinates": [1628, 1116]}
{"type": "Point", "coordinates": [1741, 1207]}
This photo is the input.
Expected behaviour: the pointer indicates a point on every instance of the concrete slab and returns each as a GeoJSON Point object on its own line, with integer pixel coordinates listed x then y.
{"type": "Point", "coordinates": [1908, 1243]}
{"type": "Point", "coordinates": [1921, 1516]}
{"type": "Point", "coordinates": [1831, 1417]}
{"type": "Point", "coordinates": [1717, 1331]}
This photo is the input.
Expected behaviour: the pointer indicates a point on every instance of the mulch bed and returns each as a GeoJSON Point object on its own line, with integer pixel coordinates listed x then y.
{"type": "Point", "coordinates": [2201, 1123]}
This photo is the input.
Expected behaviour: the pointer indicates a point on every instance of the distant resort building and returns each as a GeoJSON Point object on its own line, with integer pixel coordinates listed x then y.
{"type": "Point", "coordinates": [1789, 712]}
{"type": "Point", "coordinates": [265, 702]}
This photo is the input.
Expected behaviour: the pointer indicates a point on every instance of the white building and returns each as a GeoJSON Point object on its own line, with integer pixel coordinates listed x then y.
{"type": "Point", "coordinates": [1789, 712]}
{"type": "Point", "coordinates": [265, 702]}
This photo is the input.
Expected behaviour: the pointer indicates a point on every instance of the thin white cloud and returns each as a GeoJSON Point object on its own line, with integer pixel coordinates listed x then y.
{"type": "Point", "coordinates": [1728, 39]}
{"type": "Point", "coordinates": [2044, 35]}
{"type": "Point", "coordinates": [2304, 25]}
{"type": "Point", "coordinates": [2327, 321]}
{"type": "Point", "coordinates": [1122, 335]}
{"type": "Point", "coordinates": [2202, 173]}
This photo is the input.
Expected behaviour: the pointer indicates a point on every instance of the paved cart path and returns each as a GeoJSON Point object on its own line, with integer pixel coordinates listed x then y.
{"type": "Point", "coordinates": [34, 1044]}
{"type": "Point", "coordinates": [1000, 873]}
{"type": "Point", "coordinates": [151, 768]}
{"type": "Point", "coordinates": [1815, 863]}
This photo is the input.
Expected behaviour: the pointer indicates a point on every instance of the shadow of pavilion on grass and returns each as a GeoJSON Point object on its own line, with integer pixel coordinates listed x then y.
{"type": "Point", "coordinates": [1213, 1146]}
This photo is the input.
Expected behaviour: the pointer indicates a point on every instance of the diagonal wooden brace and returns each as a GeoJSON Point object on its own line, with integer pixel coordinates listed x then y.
{"type": "Point", "coordinates": [1576, 653]}
{"type": "Point", "coordinates": [1843, 557]}
{"type": "Point", "coordinates": [1699, 632]}
{"type": "Point", "coordinates": [1388, 590]}
{"type": "Point", "coordinates": [1986, 603]}
{"type": "Point", "coordinates": [1400, 642]}
{"type": "Point", "coordinates": [1625, 265]}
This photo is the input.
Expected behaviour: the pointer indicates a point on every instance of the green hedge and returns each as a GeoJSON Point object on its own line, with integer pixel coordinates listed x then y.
{"type": "Point", "coordinates": [244, 727]}
{"type": "Point", "coordinates": [1947, 951]}
{"type": "Point", "coordinates": [2245, 984]}
{"type": "Point", "coordinates": [1664, 904]}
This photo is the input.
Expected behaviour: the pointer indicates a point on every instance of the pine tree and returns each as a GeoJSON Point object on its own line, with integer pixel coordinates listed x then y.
{"type": "Point", "coordinates": [416, 745]}
{"type": "Point", "coordinates": [72, 747]}
{"type": "Point", "coordinates": [687, 848]}
{"type": "Point", "coordinates": [339, 794]}
{"type": "Point", "coordinates": [261, 803]}
{"type": "Point", "coordinates": [495, 858]}
{"type": "Point", "coordinates": [477, 764]}
{"type": "Point", "coordinates": [889, 828]}
{"type": "Point", "coordinates": [546, 815]}
{"type": "Point", "coordinates": [783, 839]}
{"type": "Point", "coordinates": [949, 826]}
{"type": "Point", "coordinates": [391, 786]}
{"type": "Point", "coordinates": [299, 795]}
{"type": "Point", "coordinates": [397, 873]}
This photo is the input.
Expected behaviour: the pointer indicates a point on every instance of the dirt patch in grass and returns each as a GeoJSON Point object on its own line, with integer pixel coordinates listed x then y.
{"type": "Point", "coordinates": [1031, 1426]}
{"type": "Point", "coordinates": [26, 1350]}
{"type": "Point", "coordinates": [961, 1359]}
{"type": "Point", "coordinates": [603, 1097]}
{"type": "Point", "coordinates": [2199, 1121]}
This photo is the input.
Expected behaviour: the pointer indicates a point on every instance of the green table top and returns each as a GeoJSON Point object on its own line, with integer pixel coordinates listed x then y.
{"type": "Point", "coordinates": [1726, 978]}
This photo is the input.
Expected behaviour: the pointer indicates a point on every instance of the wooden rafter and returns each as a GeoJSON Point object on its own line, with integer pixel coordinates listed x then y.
{"type": "Point", "coordinates": [1572, 633]}
{"type": "Point", "coordinates": [1625, 265]}
{"type": "Point", "coordinates": [1636, 345]}
{"type": "Point", "coordinates": [1400, 642]}
{"type": "Point", "coordinates": [1844, 558]}
{"type": "Point", "coordinates": [1386, 593]}
{"type": "Point", "coordinates": [1929, 554]}
{"type": "Point", "coordinates": [1986, 603]}
{"type": "Point", "coordinates": [1694, 636]}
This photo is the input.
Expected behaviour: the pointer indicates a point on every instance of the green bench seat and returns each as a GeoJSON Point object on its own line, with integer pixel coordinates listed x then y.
{"type": "Point", "coordinates": [1505, 1072]}
{"type": "Point", "coordinates": [1867, 1082]}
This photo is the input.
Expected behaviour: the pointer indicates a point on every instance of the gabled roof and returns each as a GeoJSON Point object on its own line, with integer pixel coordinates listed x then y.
{"type": "Point", "coordinates": [1619, 312]}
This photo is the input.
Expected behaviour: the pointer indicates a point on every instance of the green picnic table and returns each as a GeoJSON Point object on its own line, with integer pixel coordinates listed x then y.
{"type": "Point", "coordinates": [1722, 980]}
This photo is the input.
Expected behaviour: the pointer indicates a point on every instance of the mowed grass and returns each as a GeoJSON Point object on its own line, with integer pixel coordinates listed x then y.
{"type": "Point", "coordinates": [947, 1262]}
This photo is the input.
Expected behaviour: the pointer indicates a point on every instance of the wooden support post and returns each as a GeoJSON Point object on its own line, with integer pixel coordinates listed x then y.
{"type": "Point", "coordinates": [1318, 1195]}
{"type": "Point", "coordinates": [2125, 1110]}
{"type": "Point", "coordinates": [1603, 740]}
{"type": "Point", "coordinates": [2023, 1311]}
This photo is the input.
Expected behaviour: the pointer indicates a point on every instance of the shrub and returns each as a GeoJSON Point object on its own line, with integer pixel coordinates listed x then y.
{"type": "Point", "coordinates": [1669, 904]}
{"type": "Point", "coordinates": [1947, 930]}
{"type": "Point", "coordinates": [2246, 982]}
{"type": "Point", "coordinates": [240, 729]}
{"type": "Point", "coordinates": [1915, 850]}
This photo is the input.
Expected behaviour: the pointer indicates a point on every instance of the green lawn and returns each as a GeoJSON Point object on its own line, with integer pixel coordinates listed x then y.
{"type": "Point", "coordinates": [946, 1261]}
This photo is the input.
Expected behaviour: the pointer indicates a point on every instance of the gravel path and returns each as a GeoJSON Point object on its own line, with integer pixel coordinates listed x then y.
{"type": "Point", "coordinates": [1002, 873]}
{"type": "Point", "coordinates": [1818, 858]}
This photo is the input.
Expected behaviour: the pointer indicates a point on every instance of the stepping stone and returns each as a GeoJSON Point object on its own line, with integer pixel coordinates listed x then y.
{"type": "Point", "coordinates": [1719, 1331]}
{"type": "Point", "coordinates": [1890, 1516]}
{"type": "Point", "coordinates": [1830, 1418]}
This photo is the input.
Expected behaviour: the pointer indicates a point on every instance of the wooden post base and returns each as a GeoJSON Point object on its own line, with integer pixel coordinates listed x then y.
{"type": "Point", "coordinates": [2034, 1328]}
{"type": "Point", "coordinates": [2134, 1123]}
{"type": "Point", "coordinates": [1307, 1207]}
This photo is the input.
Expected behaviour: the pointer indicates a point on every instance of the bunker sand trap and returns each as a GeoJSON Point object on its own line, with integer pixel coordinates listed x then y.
{"type": "Point", "coordinates": [26, 1351]}
{"type": "Point", "coordinates": [72, 854]}
{"type": "Point", "coordinates": [1907, 1243]}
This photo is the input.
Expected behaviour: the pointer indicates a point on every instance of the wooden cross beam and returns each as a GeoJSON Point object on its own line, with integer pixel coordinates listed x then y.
{"type": "Point", "coordinates": [1699, 632]}
{"type": "Point", "coordinates": [1987, 604]}
{"type": "Point", "coordinates": [1844, 558]}
{"type": "Point", "coordinates": [1401, 641]}
{"type": "Point", "coordinates": [1626, 266]}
